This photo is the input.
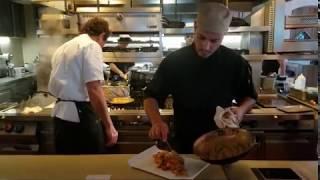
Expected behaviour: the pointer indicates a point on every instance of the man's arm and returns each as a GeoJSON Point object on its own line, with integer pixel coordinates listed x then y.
{"type": "Point", "coordinates": [246, 94]}
{"type": "Point", "coordinates": [118, 71]}
{"type": "Point", "coordinates": [159, 129]}
{"type": "Point", "coordinates": [245, 105]}
{"type": "Point", "coordinates": [99, 105]}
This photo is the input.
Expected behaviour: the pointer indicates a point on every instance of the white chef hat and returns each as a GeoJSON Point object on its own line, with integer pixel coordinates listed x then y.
{"type": "Point", "coordinates": [213, 17]}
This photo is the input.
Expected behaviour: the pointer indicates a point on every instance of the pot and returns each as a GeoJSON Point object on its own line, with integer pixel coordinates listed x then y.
{"type": "Point", "coordinates": [224, 146]}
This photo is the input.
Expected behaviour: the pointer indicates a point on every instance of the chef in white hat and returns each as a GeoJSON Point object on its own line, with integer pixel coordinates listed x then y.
{"type": "Point", "coordinates": [200, 77]}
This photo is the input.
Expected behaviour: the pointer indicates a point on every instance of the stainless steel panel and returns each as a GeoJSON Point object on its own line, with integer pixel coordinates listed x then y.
{"type": "Point", "coordinates": [302, 20]}
{"type": "Point", "coordinates": [58, 24]}
{"type": "Point", "coordinates": [129, 22]}
{"type": "Point", "coordinates": [291, 57]}
{"type": "Point", "coordinates": [154, 57]}
{"type": "Point", "coordinates": [252, 41]}
{"type": "Point", "coordinates": [295, 46]}
{"type": "Point", "coordinates": [119, 9]}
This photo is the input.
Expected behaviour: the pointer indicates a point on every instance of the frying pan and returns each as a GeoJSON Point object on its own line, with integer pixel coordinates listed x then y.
{"type": "Point", "coordinates": [224, 146]}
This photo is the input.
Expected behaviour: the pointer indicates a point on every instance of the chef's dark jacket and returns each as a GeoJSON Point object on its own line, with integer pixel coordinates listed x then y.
{"type": "Point", "coordinates": [197, 86]}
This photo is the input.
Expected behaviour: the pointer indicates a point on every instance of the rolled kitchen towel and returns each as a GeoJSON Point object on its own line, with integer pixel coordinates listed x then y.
{"type": "Point", "coordinates": [225, 118]}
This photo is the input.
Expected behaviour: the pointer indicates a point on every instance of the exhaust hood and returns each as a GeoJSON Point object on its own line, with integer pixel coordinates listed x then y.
{"type": "Point", "coordinates": [62, 5]}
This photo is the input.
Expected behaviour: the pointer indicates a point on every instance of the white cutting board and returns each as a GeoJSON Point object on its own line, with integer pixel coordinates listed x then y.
{"type": "Point", "coordinates": [144, 161]}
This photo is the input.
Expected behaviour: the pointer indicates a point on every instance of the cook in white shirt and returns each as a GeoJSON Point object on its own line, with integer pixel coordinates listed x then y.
{"type": "Point", "coordinates": [76, 76]}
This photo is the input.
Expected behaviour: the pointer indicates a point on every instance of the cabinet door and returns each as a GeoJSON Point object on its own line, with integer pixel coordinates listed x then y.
{"type": "Point", "coordinates": [6, 28]}
{"type": "Point", "coordinates": [23, 88]}
{"type": "Point", "coordinates": [291, 147]}
{"type": "Point", "coordinates": [5, 95]}
{"type": "Point", "coordinates": [17, 12]}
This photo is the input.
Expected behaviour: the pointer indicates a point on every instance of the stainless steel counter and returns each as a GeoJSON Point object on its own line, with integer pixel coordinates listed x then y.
{"type": "Point", "coordinates": [7, 80]}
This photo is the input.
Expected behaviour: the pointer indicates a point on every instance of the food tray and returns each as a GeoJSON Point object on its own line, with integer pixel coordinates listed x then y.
{"type": "Point", "coordinates": [144, 161]}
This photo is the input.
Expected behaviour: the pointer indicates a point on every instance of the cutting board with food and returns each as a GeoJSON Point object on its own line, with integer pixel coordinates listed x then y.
{"type": "Point", "coordinates": [167, 164]}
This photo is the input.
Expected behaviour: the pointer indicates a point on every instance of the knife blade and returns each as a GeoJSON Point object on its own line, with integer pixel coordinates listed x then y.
{"type": "Point", "coordinates": [163, 145]}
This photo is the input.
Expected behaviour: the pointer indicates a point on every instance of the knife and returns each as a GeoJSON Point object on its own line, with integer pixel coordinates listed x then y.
{"type": "Point", "coordinates": [163, 145]}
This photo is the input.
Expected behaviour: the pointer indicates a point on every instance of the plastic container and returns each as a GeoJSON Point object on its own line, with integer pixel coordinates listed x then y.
{"type": "Point", "coordinates": [300, 82]}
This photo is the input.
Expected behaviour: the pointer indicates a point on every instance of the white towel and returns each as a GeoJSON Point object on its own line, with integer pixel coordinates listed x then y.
{"type": "Point", "coordinates": [225, 118]}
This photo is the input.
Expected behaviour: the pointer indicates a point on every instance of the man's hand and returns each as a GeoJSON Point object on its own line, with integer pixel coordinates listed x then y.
{"type": "Point", "coordinates": [99, 105]}
{"type": "Point", "coordinates": [245, 106]}
{"type": "Point", "coordinates": [239, 113]}
{"type": "Point", "coordinates": [159, 130]}
{"type": "Point", "coordinates": [124, 76]}
{"type": "Point", "coordinates": [111, 135]}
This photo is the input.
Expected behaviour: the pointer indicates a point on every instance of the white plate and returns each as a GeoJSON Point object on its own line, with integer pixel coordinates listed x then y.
{"type": "Point", "coordinates": [144, 161]}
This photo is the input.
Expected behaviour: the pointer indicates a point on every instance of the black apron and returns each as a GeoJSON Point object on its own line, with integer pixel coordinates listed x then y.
{"type": "Point", "coordinates": [86, 137]}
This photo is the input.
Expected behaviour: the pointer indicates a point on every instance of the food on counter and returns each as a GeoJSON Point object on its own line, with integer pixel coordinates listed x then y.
{"type": "Point", "coordinates": [122, 100]}
{"type": "Point", "coordinates": [170, 160]}
{"type": "Point", "coordinates": [31, 110]}
{"type": "Point", "coordinates": [223, 144]}
{"type": "Point", "coordinates": [111, 92]}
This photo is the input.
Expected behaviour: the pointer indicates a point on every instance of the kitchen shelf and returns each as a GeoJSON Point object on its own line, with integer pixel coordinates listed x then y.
{"type": "Point", "coordinates": [135, 42]}
{"type": "Point", "coordinates": [306, 21]}
{"type": "Point", "coordinates": [177, 31]}
{"type": "Point", "coordinates": [297, 26]}
{"type": "Point", "coordinates": [189, 30]}
{"type": "Point", "coordinates": [260, 57]}
{"type": "Point", "coordinates": [64, 32]}
{"type": "Point", "coordinates": [154, 57]}
{"type": "Point", "coordinates": [249, 29]}
{"type": "Point", "coordinates": [132, 60]}
{"type": "Point", "coordinates": [298, 46]}
{"type": "Point", "coordinates": [163, 112]}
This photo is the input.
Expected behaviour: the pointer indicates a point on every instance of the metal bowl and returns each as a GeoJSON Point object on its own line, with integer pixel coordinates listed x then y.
{"type": "Point", "coordinates": [224, 146]}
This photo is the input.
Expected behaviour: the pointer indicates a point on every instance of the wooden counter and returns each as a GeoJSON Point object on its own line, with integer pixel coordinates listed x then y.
{"type": "Point", "coordinates": [78, 167]}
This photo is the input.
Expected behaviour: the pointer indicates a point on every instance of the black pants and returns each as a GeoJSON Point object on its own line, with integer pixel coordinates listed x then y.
{"type": "Point", "coordinates": [86, 137]}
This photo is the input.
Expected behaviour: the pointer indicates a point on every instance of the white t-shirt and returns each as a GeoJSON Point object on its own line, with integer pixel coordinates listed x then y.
{"type": "Point", "coordinates": [75, 63]}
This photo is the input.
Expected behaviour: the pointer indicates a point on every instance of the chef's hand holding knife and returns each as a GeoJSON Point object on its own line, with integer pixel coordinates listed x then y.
{"type": "Point", "coordinates": [159, 130]}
